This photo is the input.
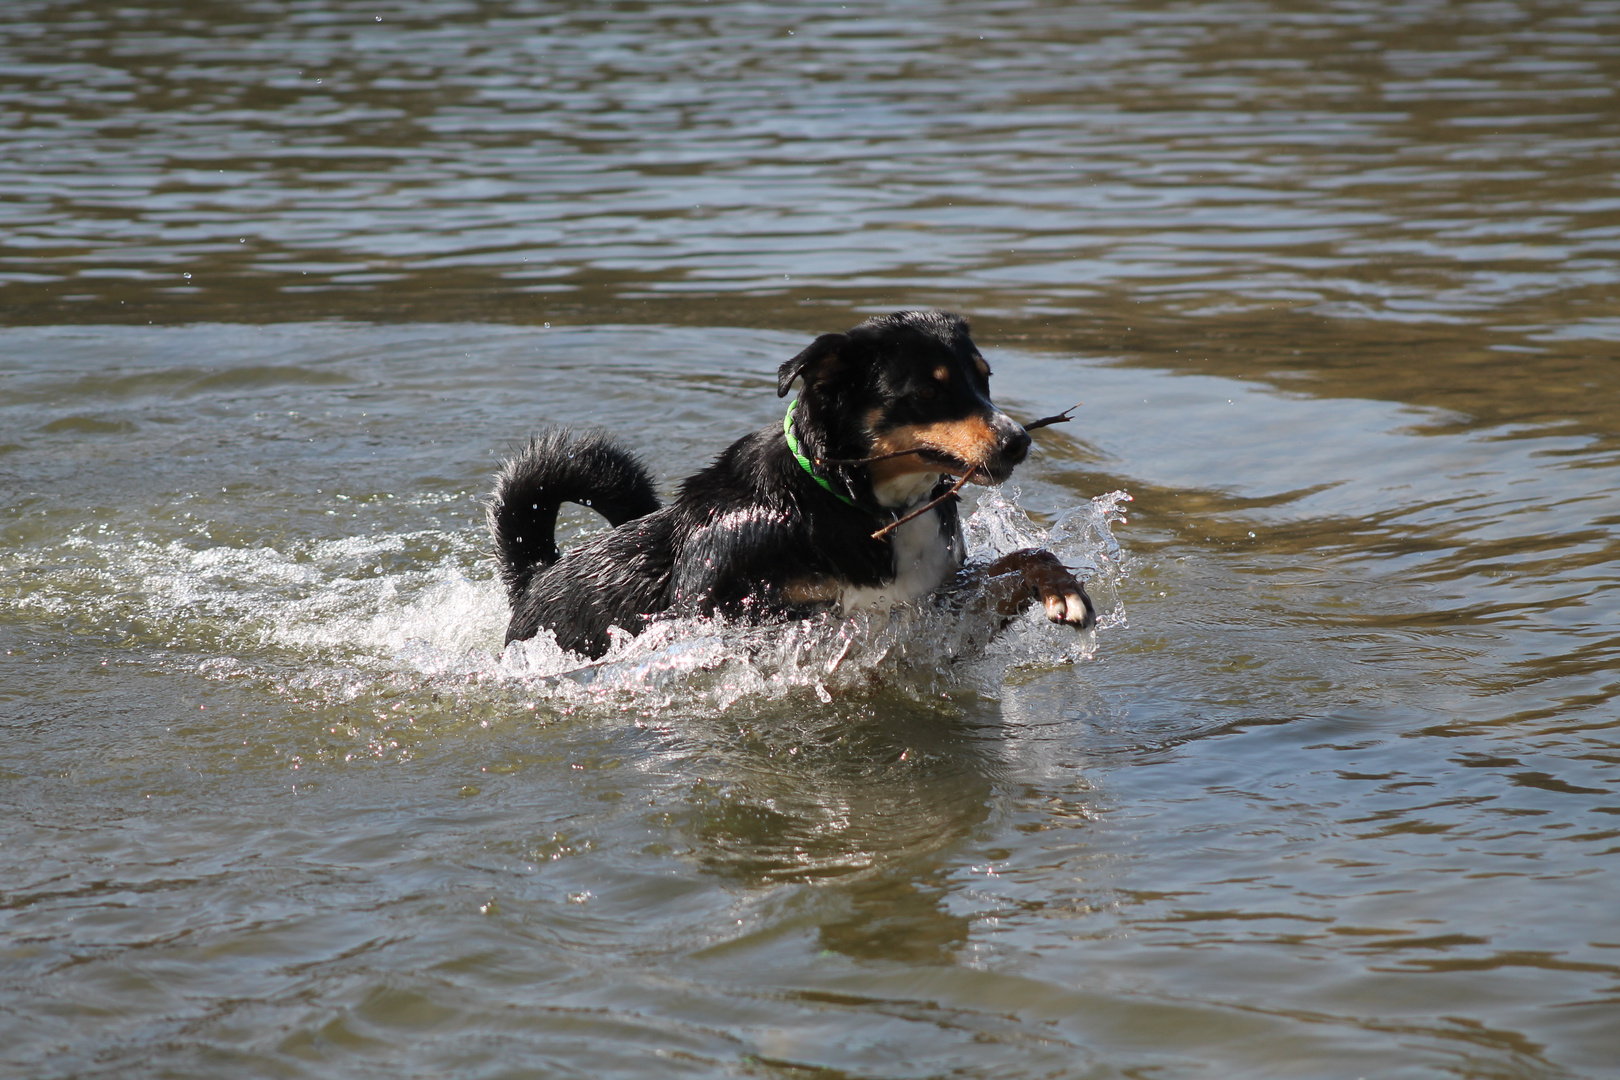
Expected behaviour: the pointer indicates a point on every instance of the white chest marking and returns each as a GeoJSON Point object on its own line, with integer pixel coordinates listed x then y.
{"type": "Point", "coordinates": [924, 558]}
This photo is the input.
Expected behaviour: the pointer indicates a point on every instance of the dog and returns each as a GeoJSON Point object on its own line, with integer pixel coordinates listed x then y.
{"type": "Point", "coordinates": [850, 503]}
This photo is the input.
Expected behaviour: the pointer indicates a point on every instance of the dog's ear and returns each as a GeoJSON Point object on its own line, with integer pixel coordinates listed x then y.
{"type": "Point", "coordinates": [816, 362]}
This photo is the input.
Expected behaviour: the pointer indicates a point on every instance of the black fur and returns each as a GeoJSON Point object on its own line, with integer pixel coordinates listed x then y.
{"type": "Point", "coordinates": [559, 466]}
{"type": "Point", "coordinates": [744, 535]}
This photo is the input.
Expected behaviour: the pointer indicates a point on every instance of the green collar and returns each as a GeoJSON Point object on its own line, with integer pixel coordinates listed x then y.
{"type": "Point", "coordinates": [804, 462]}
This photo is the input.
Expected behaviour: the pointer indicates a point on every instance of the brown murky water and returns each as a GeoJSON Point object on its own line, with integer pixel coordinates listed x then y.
{"type": "Point", "coordinates": [1335, 792]}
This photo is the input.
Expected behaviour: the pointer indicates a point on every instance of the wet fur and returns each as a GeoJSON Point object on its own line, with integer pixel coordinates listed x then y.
{"type": "Point", "coordinates": [753, 535]}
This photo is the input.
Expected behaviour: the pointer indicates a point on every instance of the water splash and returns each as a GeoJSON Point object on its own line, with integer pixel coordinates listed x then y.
{"type": "Point", "coordinates": [328, 616]}
{"type": "Point", "coordinates": [920, 649]}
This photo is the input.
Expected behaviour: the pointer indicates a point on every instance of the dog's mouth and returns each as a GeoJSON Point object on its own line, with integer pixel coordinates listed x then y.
{"type": "Point", "coordinates": [983, 448]}
{"type": "Point", "coordinates": [993, 472]}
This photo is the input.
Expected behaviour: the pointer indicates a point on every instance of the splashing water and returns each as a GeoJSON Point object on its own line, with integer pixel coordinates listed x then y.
{"type": "Point", "coordinates": [919, 648]}
{"type": "Point", "coordinates": [326, 616]}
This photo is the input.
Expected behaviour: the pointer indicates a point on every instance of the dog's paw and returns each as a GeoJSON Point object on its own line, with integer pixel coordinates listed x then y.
{"type": "Point", "coordinates": [1072, 607]}
{"type": "Point", "coordinates": [1041, 576]}
{"type": "Point", "coordinates": [1062, 594]}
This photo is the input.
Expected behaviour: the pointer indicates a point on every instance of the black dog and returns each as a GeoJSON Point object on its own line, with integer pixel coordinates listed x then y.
{"type": "Point", "coordinates": [815, 513]}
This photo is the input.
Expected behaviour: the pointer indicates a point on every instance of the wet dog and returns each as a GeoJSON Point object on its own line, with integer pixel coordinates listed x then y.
{"type": "Point", "coordinates": [847, 504]}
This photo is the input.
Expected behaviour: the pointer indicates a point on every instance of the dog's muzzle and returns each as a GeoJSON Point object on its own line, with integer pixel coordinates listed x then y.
{"type": "Point", "coordinates": [1011, 447]}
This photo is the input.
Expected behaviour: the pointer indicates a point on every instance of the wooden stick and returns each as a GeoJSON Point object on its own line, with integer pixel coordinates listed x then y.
{"type": "Point", "coordinates": [1061, 418]}
{"type": "Point", "coordinates": [923, 509]}
{"type": "Point", "coordinates": [1046, 421]}
{"type": "Point", "coordinates": [869, 460]}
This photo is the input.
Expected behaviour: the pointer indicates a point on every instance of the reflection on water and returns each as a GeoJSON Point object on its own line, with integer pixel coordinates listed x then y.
{"type": "Point", "coordinates": [1334, 792]}
{"type": "Point", "coordinates": [866, 799]}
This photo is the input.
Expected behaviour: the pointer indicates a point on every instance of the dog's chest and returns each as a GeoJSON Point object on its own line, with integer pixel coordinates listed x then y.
{"type": "Point", "coordinates": [925, 557]}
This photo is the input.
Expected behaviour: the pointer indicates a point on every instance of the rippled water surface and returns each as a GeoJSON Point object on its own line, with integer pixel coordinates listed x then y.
{"type": "Point", "coordinates": [1334, 790]}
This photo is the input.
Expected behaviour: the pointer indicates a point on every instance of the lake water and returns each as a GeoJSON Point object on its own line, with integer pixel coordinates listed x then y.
{"type": "Point", "coordinates": [1334, 790]}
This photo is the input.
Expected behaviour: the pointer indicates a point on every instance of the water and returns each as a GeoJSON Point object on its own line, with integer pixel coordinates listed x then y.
{"type": "Point", "coordinates": [1332, 792]}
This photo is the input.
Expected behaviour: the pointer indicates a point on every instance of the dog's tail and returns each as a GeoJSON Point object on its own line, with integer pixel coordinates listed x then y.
{"type": "Point", "coordinates": [559, 466]}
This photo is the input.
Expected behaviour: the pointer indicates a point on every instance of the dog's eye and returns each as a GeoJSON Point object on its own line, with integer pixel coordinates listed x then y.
{"type": "Point", "coordinates": [928, 393]}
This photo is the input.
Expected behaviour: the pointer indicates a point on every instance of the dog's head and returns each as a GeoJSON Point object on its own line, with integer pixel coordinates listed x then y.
{"type": "Point", "coordinates": [911, 381]}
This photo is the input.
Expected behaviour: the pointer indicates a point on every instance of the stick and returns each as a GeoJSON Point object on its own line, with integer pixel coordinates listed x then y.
{"type": "Point", "coordinates": [1046, 421]}
{"type": "Point", "coordinates": [1061, 418]}
{"type": "Point", "coordinates": [923, 509]}
{"type": "Point", "coordinates": [869, 460]}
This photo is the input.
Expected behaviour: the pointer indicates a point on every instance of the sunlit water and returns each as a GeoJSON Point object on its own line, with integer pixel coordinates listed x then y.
{"type": "Point", "coordinates": [1333, 790]}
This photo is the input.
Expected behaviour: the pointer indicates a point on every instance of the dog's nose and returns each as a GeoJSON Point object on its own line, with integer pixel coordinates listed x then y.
{"type": "Point", "coordinates": [1012, 440]}
{"type": "Point", "coordinates": [1012, 446]}
{"type": "Point", "coordinates": [1016, 448]}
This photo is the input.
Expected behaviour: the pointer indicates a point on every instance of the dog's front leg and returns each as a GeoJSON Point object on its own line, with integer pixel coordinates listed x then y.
{"type": "Point", "coordinates": [1014, 581]}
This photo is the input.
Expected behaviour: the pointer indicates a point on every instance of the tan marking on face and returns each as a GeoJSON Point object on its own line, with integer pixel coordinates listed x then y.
{"type": "Point", "coordinates": [978, 362]}
{"type": "Point", "coordinates": [942, 373]}
{"type": "Point", "coordinates": [885, 471]}
{"type": "Point", "coordinates": [970, 440]}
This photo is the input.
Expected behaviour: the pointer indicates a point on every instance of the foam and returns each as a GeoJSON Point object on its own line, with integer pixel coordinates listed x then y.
{"type": "Point", "coordinates": [327, 615]}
